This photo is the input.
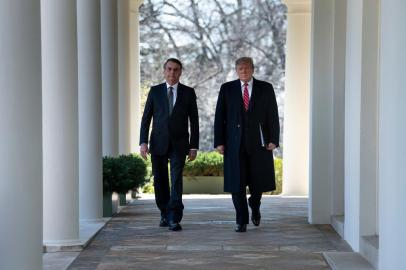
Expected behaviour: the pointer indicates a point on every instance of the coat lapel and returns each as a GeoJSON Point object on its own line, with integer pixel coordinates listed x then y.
{"type": "Point", "coordinates": [255, 94]}
{"type": "Point", "coordinates": [237, 97]}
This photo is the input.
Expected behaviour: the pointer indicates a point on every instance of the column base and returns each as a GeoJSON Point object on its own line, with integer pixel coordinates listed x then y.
{"type": "Point", "coordinates": [294, 196]}
{"type": "Point", "coordinates": [369, 249]}
{"type": "Point", "coordinates": [346, 260]}
{"type": "Point", "coordinates": [87, 231]}
{"type": "Point", "coordinates": [337, 222]}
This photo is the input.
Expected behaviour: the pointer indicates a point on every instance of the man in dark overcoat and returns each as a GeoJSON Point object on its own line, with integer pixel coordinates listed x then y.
{"type": "Point", "coordinates": [172, 106]}
{"type": "Point", "coordinates": [246, 131]}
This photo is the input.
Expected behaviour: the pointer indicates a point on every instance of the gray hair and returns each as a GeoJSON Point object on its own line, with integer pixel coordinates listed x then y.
{"type": "Point", "coordinates": [244, 60]}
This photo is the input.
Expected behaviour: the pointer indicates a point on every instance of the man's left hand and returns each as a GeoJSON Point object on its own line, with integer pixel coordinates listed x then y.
{"type": "Point", "coordinates": [270, 146]}
{"type": "Point", "coordinates": [192, 155]}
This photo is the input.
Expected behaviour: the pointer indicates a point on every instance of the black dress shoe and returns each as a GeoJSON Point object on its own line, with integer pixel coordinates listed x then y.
{"type": "Point", "coordinates": [174, 226]}
{"type": "Point", "coordinates": [256, 217]}
{"type": "Point", "coordinates": [241, 228]}
{"type": "Point", "coordinates": [163, 222]}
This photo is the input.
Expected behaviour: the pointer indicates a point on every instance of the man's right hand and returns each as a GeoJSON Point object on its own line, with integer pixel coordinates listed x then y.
{"type": "Point", "coordinates": [144, 150]}
{"type": "Point", "coordinates": [220, 149]}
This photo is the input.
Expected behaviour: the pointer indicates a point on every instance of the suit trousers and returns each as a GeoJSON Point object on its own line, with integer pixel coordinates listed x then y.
{"type": "Point", "coordinates": [169, 200]}
{"type": "Point", "coordinates": [240, 197]}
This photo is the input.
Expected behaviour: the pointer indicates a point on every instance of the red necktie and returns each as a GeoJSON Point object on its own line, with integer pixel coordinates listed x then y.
{"type": "Point", "coordinates": [246, 97]}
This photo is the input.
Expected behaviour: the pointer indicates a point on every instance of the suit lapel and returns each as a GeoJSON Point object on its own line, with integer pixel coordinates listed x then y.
{"type": "Point", "coordinates": [163, 97]}
{"type": "Point", "coordinates": [179, 94]}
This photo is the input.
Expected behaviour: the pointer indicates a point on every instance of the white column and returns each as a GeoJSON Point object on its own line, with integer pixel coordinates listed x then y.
{"type": "Point", "coordinates": [90, 113]}
{"type": "Point", "coordinates": [392, 134]}
{"type": "Point", "coordinates": [109, 77]}
{"type": "Point", "coordinates": [60, 121]}
{"type": "Point", "coordinates": [297, 98]}
{"type": "Point", "coordinates": [128, 75]}
{"type": "Point", "coordinates": [321, 112]}
{"type": "Point", "coordinates": [135, 87]}
{"type": "Point", "coordinates": [352, 123]}
{"type": "Point", "coordinates": [361, 138]}
{"type": "Point", "coordinates": [124, 94]}
{"type": "Point", "coordinates": [369, 135]}
{"type": "Point", "coordinates": [337, 189]}
{"type": "Point", "coordinates": [20, 139]}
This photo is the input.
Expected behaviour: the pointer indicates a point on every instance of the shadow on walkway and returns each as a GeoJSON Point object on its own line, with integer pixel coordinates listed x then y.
{"type": "Point", "coordinates": [284, 240]}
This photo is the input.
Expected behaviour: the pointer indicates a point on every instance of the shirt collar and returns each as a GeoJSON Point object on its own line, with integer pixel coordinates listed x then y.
{"type": "Point", "coordinates": [175, 86]}
{"type": "Point", "coordinates": [249, 82]}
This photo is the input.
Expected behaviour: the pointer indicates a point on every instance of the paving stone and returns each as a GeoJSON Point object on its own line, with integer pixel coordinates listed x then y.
{"type": "Point", "coordinates": [194, 247]}
{"type": "Point", "coordinates": [284, 240]}
{"type": "Point", "coordinates": [251, 248]}
{"type": "Point", "coordinates": [58, 260]}
{"type": "Point", "coordinates": [138, 247]}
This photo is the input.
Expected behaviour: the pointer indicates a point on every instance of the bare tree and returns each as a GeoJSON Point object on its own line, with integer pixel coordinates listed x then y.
{"type": "Point", "coordinates": [208, 36]}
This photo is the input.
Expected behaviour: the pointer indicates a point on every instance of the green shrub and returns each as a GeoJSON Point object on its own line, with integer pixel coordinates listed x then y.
{"type": "Point", "coordinates": [205, 164]}
{"type": "Point", "coordinates": [278, 176]}
{"type": "Point", "coordinates": [112, 169]}
{"type": "Point", "coordinates": [123, 173]}
{"type": "Point", "coordinates": [211, 164]}
{"type": "Point", "coordinates": [149, 186]}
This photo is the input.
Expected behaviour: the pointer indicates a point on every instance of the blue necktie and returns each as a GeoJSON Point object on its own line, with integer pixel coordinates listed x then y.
{"type": "Point", "coordinates": [170, 100]}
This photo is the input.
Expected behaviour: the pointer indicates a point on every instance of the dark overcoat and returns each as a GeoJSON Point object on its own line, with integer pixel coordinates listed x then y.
{"type": "Point", "coordinates": [263, 111]}
{"type": "Point", "coordinates": [172, 128]}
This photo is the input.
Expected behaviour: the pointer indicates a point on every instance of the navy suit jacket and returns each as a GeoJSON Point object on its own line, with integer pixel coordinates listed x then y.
{"type": "Point", "coordinates": [172, 129]}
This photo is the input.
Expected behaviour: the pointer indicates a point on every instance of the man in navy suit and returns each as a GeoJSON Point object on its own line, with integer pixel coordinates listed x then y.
{"type": "Point", "coordinates": [171, 105]}
{"type": "Point", "coordinates": [246, 130]}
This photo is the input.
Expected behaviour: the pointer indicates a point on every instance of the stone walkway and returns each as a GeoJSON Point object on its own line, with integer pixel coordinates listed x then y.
{"type": "Point", "coordinates": [284, 240]}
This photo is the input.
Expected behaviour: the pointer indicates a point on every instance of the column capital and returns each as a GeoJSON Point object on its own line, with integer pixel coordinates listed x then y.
{"type": "Point", "coordinates": [298, 6]}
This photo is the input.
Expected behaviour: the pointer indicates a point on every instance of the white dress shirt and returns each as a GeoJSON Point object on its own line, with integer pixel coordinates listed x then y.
{"type": "Point", "coordinates": [175, 91]}
{"type": "Point", "coordinates": [249, 87]}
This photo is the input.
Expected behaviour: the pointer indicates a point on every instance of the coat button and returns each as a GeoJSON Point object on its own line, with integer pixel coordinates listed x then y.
{"type": "Point", "coordinates": [238, 125]}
